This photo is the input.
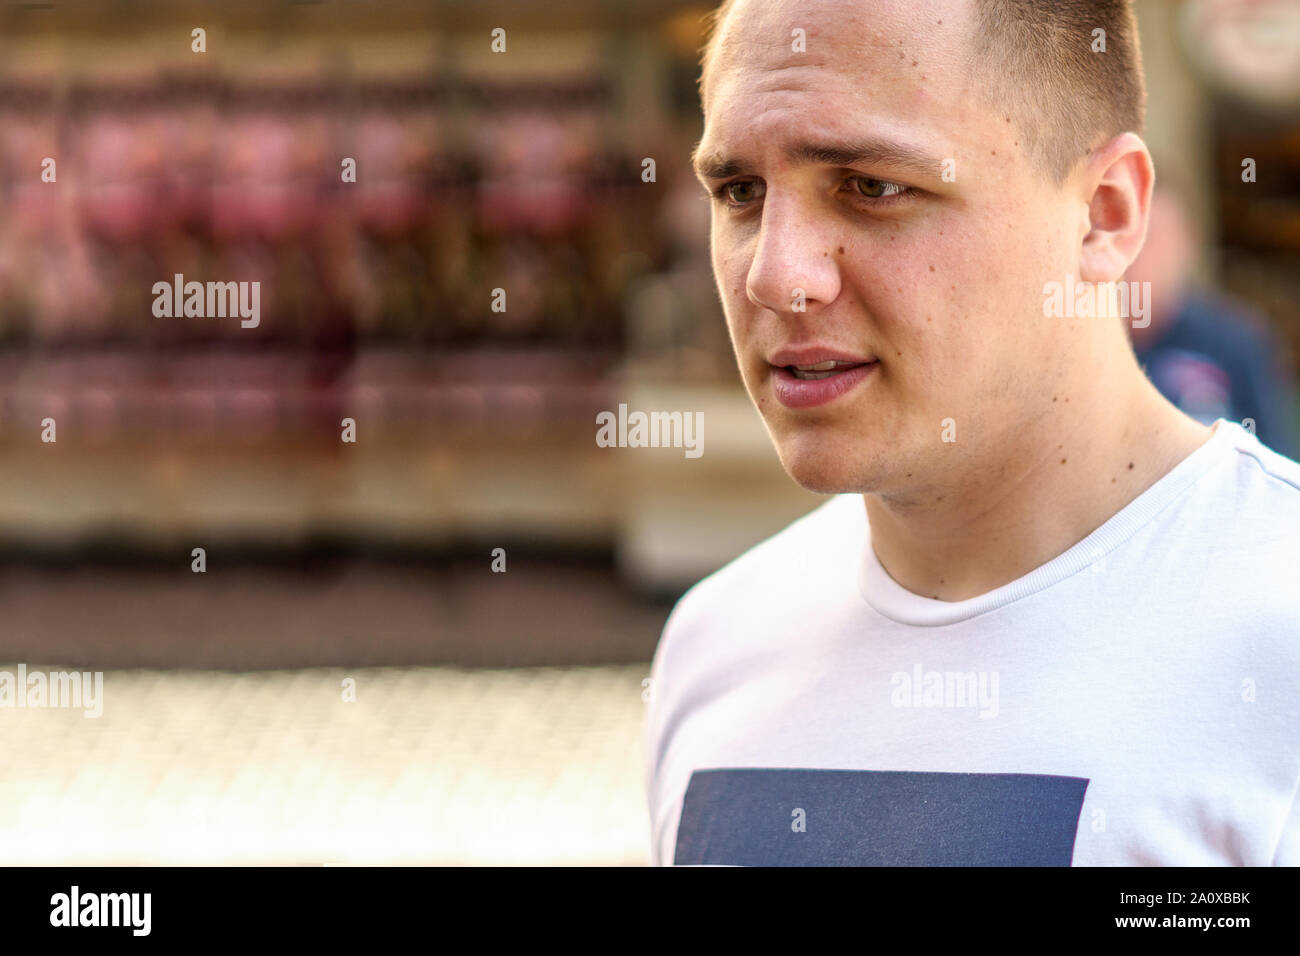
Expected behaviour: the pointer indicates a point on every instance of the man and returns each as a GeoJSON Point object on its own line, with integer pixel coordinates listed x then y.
{"type": "Point", "coordinates": [1047, 617]}
{"type": "Point", "coordinates": [1207, 354]}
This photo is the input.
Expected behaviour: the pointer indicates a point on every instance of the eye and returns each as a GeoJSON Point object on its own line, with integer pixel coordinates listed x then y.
{"type": "Point", "coordinates": [743, 192]}
{"type": "Point", "coordinates": [877, 188]}
{"type": "Point", "coordinates": [730, 190]}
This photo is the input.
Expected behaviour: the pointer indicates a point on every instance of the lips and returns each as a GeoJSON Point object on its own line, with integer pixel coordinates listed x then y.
{"type": "Point", "coordinates": [806, 377]}
{"type": "Point", "coordinates": [815, 355]}
{"type": "Point", "coordinates": [821, 370]}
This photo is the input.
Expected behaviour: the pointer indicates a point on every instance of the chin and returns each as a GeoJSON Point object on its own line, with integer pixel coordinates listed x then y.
{"type": "Point", "coordinates": [827, 470]}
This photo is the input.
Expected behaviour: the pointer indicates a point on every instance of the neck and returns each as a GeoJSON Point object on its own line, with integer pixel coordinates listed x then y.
{"type": "Point", "coordinates": [1054, 484]}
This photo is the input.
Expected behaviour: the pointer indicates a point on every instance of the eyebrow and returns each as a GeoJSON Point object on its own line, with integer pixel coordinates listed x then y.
{"type": "Point", "coordinates": [879, 152]}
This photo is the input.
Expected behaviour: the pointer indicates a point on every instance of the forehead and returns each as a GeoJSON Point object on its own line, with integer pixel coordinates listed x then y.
{"type": "Point", "coordinates": [880, 66]}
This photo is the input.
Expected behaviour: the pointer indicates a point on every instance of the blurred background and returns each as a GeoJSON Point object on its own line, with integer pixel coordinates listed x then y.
{"type": "Point", "coordinates": [497, 714]}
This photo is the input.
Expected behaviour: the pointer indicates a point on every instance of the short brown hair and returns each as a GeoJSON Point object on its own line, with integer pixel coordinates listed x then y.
{"type": "Point", "coordinates": [1039, 58]}
{"type": "Point", "coordinates": [1068, 98]}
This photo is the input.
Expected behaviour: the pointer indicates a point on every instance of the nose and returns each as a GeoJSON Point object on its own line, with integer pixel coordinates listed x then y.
{"type": "Point", "coordinates": [792, 254]}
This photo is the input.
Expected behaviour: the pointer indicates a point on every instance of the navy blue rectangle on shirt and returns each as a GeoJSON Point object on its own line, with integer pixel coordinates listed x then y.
{"type": "Point", "coordinates": [752, 817]}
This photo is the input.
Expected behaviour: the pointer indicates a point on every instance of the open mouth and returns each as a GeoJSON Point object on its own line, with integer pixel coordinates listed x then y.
{"type": "Point", "coordinates": [805, 386]}
{"type": "Point", "coordinates": [811, 373]}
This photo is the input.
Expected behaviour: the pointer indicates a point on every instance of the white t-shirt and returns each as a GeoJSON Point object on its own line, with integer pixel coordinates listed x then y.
{"type": "Point", "coordinates": [1134, 701]}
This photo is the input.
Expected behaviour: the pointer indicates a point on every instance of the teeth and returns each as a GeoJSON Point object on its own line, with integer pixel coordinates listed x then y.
{"type": "Point", "coordinates": [820, 370]}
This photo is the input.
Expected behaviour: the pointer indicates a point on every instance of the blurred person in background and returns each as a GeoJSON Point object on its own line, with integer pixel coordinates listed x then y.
{"type": "Point", "coordinates": [1208, 354]}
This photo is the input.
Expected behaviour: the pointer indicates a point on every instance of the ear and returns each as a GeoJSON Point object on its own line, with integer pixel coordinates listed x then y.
{"type": "Point", "coordinates": [1117, 181]}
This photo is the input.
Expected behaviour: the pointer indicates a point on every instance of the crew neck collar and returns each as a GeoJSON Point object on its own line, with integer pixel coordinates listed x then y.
{"type": "Point", "coordinates": [897, 603]}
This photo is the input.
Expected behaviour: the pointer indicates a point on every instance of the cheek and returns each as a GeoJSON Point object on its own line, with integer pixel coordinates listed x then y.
{"type": "Point", "coordinates": [995, 338]}
{"type": "Point", "coordinates": [731, 272]}
{"type": "Point", "coordinates": [945, 318]}
{"type": "Point", "coordinates": [920, 290]}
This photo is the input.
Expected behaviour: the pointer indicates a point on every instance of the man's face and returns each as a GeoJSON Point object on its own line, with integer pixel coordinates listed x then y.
{"type": "Point", "coordinates": [925, 259]}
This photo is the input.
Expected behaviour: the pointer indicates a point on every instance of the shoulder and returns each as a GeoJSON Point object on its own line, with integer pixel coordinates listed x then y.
{"type": "Point", "coordinates": [720, 624]}
{"type": "Point", "coordinates": [1246, 546]}
{"type": "Point", "coordinates": [1249, 503]}
{"type": "Point", "coordinates": [793, 560]}
{"type": "Point", "coordinates": [733, 613]}
{"type": "Point", "coordinates": [1269, 479]}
